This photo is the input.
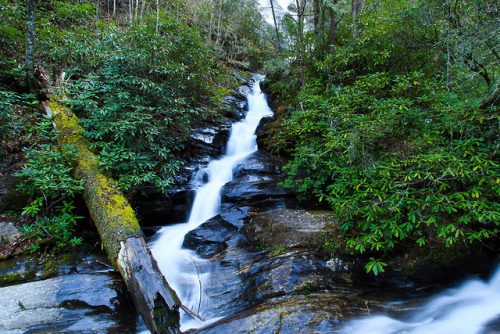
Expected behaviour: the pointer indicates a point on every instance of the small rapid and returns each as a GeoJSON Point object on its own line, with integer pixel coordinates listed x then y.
{"type": "Point", "coordinates": [467, 309]}
{"type": "Point", "coordinates": [182, 267]}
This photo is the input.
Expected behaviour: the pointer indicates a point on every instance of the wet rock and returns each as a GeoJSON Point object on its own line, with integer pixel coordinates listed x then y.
{"type": "Point", "coordinates": [291, 272]}
{"type": "Point", "coordinates": [258, 163]}
{"type": "Point", "coordinates": [264, 132]}
{"type": "Point", "coordinates": [209, 139]}
{"type": "Point", "coordinates": [11, 199]}
{"type": "Point", "coordinates": [236, 105]}
{"type": "Point", "coordinates": [256, 183]}
{"type": "Point", "coordinates": [77, 303]}
{"type": "Point", "coordinates": [297, 314]}
{"type": "Point", "coordinates": [8, 233]}
{"type": "Point", "coordinates": [290, 228]}
{"type": "Point", "coordinates": [155, 208]}
{"type": "Point", "coordinates": [210, 237]}
{"type": "Point", "coordinates": [242, 76]}
{"type": "Point", "coordinates": [257, 191]}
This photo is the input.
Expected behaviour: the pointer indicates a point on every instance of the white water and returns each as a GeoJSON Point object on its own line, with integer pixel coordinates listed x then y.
{"type": "Point", "coordinates": [181, 267]}
{"type": "Point", "coordinates": [464, 310]}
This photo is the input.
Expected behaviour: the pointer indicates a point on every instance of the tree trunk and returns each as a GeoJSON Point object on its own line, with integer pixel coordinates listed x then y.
{"type": "Point", "coordinates": [332, 36]}
{"type": "Point", "coordinates": [278, 42]}
{"type": "Point", "coordinates": [30, 44]}
{"type": "Point", "coordinates": [114, 10]}
{"type": "Point", "coordinates": [142, 8]}
{"type": "Point", "coordinates": [157, 14]}
{"type": "Point", "coordinates": [301, 6]}
{"type": "Point", "coordinates": [136, 9]}
{"type": "Point", "coordinates": [130, 9]}
{"type": "Point", "coordinates": [357, 6]}
{"type": "Point", "coordinates": [118, 227]}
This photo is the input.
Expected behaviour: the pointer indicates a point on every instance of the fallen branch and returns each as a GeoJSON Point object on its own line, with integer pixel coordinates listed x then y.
{"type": "Point", "coordinates": [191, 313]}
{"type": "Point", "coordinates": [118, 227]}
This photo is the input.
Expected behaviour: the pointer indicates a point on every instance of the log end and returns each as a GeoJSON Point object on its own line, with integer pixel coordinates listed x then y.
{"type": "Point", "coordinates": [155, 300]}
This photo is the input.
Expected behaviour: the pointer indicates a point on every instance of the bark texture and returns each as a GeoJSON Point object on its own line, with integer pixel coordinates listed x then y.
{"type": "Point", "coordinates": [118, 228]}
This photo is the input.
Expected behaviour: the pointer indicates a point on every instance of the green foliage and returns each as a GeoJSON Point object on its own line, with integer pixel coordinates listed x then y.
{"type": "Point", "coordinates": [395, 163]}
{"type": "Point", "coordinates": [138, 98]}
{"type": "Point", "coordinates": [48, 182]}
{"type": "Point", "coordinates": [375, 266]}
{"type": "Point", "coordinates": [387, 130]}
{"type": "Point", "coordinates": [12, 27]}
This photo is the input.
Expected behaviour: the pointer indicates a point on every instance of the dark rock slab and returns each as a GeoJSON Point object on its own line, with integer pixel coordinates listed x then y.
{"type": "Point", "coordinates": [258, 163]}
{"type": "Point", "coordinates": [290, 272]}
{"type": "Point", "coordinates": [210, 237]}
{"type": "Point", "coordinates": [251, 189]}
{"type": "Point", "coordinates": [77, 303]}
{"type": "Point", "coordinates": [264, 132]}
{"type": "Point", "coordinates": [209, 139]}
{"type": "Point", "coordinates": [290, 228]}
{"type": "Point", "coordinates": [318, 313]}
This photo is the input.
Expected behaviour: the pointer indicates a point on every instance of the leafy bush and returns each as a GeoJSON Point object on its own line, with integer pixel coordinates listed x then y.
{"type": "Point", "coordinates": [398, 161]}
{"type": "Point", "coordinates": [48, 182]}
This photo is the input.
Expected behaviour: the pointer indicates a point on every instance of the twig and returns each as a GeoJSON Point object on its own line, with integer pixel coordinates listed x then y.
{"type": "Point", "coordinates": [104, 264]}
{"type": "Point", "coordinates": [367, 308]}
{"type": "Point", "coordinates": [199, 282]}
{"type": "Point", "coordinates": [191, 313]}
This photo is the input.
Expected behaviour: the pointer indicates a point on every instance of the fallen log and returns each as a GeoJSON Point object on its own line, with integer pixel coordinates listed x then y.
{"type": "Point", "coordinates": [118, 227]}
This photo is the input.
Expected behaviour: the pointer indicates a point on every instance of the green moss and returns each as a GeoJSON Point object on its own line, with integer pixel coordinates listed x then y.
{"type": "Point", "coordinates": [68, 258]}
{"type": "Point", "coordinates": [109, 209]}
{"type": "Point", "coordinates": [8, 279]}
{"type": "Point", "coordinates": [50, 267]}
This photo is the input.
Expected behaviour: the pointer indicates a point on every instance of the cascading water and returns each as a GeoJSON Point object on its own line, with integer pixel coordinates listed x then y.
{"type": "Point", "coordinates": [467, 309]}
{"type": "Point", "coordinates": [181, 266]}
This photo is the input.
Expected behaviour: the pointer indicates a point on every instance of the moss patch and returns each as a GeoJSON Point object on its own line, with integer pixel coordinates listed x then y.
{"type": "Point", "coordinates": [112, 214]}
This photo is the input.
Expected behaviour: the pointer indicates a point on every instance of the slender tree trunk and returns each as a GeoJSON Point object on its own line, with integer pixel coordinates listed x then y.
{"type": "Point", "coordinates": [357, 7]}
{"type": "Point", "coordinates": [278, 41]}
{"type": "Point", "coordinates": [142, 9]}
{"type": "Point", "coordinates": [114, 10]}
{"type": "Point", "coordinates": [210, 25]}
{"type": "Point", "coordinates": [332, 35]}
{"type": "Point", "coordinates": [301, 5]}
{"type": "Point", "coordinates": [30, 44]}
{"type": "Point", "coordinates": [157, 14]}
{"type": "Point", "coordinates": [219, 22]}
{"type": "Point", "coordinates": [131, 9]}
{"type": "Point", "coordinates": [136, 9]}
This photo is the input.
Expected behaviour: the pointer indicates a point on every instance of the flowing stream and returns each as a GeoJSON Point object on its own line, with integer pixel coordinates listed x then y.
{"type": "Point", "coordinates": [181, 267]}
{"type": "Point", "coordinates": [470, 308]}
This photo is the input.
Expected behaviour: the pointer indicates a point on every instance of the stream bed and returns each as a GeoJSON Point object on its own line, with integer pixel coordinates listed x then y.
{"type": "Point", "coordinates": [245, 261]}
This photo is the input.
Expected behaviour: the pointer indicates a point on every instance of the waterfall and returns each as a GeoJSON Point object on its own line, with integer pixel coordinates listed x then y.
{"type": "Point", "coordinates": [466, 309]}
{"type": "Point", "coordinates": [181, 266]}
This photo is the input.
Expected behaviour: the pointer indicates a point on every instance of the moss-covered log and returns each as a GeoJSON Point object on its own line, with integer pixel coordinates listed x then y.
{"type": "Point", "coordinates": [118, 227]}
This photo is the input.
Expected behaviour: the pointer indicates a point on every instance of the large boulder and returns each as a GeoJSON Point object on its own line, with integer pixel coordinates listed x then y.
{"type": "Point", "coordinates": [320, 313]}
{"type": "Point", "coordinates": [290, 272]}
